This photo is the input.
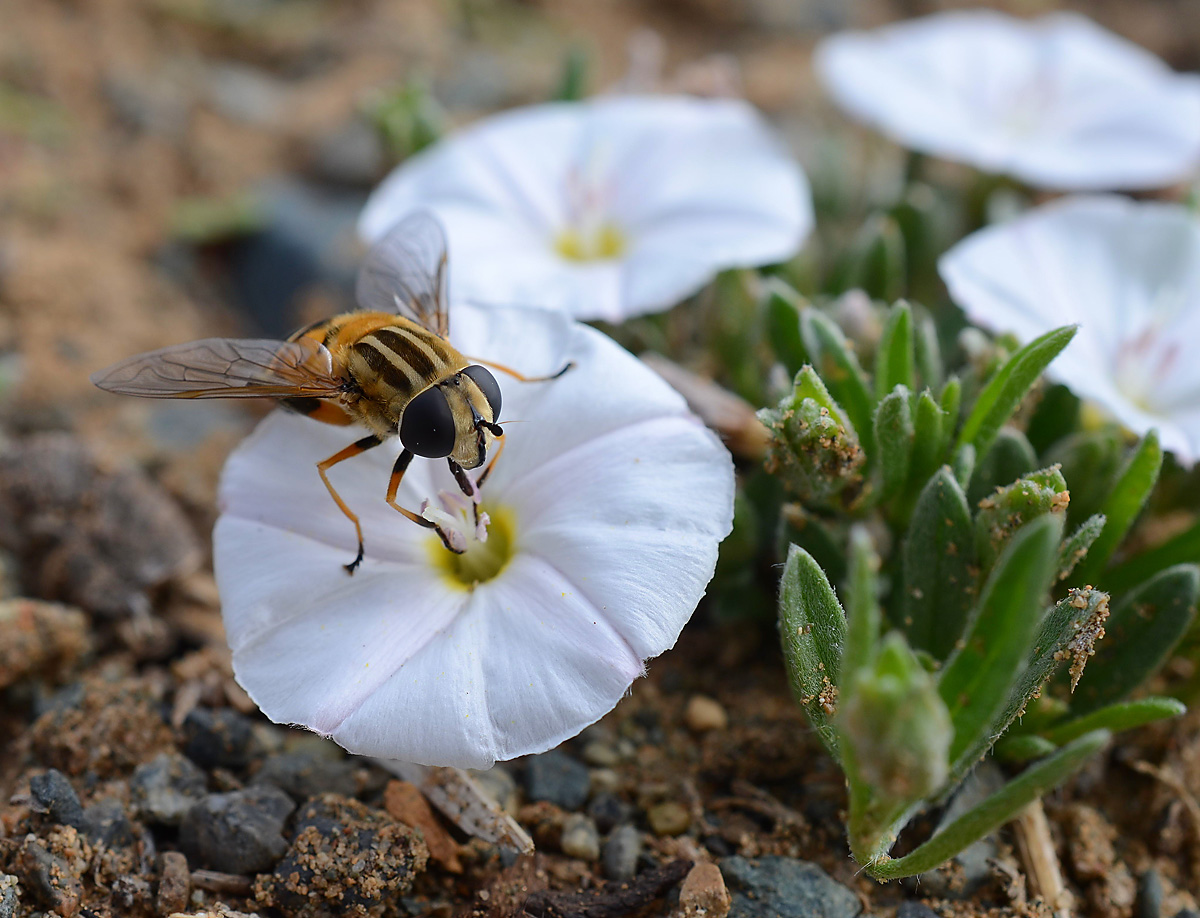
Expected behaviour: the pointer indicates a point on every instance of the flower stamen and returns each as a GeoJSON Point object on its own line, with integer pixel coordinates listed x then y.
{"type": "Point", "coordinates": [481, 559]}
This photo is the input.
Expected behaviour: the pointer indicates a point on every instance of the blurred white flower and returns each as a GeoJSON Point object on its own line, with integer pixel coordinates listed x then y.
{"type": "Point", "coordinates": [1056, 102]}
{"type": "Point", "coordinates": [606, 511]}
{"type": "Point", "coordinates": [607, 208]}
{"type": "Point", "coordinates": [1129, 274]}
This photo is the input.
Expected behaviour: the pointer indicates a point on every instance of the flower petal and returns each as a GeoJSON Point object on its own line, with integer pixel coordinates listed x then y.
{"type": "Point", "coordinates": [1057, 102]}
{"type": "Point", "coordinates": [1128, 273]}
{"type": "Point", "coordinates": [692, 185]}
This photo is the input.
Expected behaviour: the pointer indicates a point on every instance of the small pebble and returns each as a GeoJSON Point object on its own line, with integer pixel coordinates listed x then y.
{"type": "Point", "coordinates": [703, 714]}
{"type": "Point", "coordinates": [784, 887]}
{"type": "Point", "coordinates": [218, 739]}
{"type": "Point", "coordinates": [166, 787]}
{"type": "Point", "coordinates": [1150, 895]}
{"type": "Point", "coordinates": [305, 774]}
{"type": "Point", "coordinates": [49, 878]}
{"type": "Point", "coordinates": [915, 910]}
{"type": "Point", "coordinates": [53, 795]}
{"type": "Point", "coordinates": [703, 894]}
{"type": "Point", "coordinates": [557, 778]}
{"type": "Point", "coordinates": [238, 832]}
{"type": "Point", "coordinates": [669, 818]}
{"type": "Point", "coordinates": [621, 853]}
{"type": "Point", "coordinates": [406, 804]}
{"type": "Point", "coordinates": [8, 895]}
{"type": "Point", "coordinates": [580, 838]}
{"type": "Point", "coordinates": [604, 780]}
{"type": "Point", "coordinates": [345, 861]}
{"type": "Point", "coordinates": [609, 811]}
{"type": "Point", "coordinates": [174, 883]}
{"type": "Point", "coordinates": [105, 823]}
{"type": "Point", "coordinates": [601, 754]}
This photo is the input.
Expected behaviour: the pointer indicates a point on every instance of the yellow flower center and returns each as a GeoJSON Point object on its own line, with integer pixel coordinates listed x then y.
{"type": "Point", "coordinates": [482, 561]}
{"type": "Point", "coordinates": [598, 243]}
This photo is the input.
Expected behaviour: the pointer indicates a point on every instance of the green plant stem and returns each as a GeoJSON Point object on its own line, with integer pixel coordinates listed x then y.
{"type": "Point", "coordinates": [991, 813]}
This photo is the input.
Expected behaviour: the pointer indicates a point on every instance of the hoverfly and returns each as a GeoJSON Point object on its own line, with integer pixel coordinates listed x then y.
{"type": "Point", "coordinates": [388, 367]}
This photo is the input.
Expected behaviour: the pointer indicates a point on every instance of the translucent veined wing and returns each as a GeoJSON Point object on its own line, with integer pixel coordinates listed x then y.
{"type": "Point", "coordinates": [405, 272]}
{"type": "Point", "coordinates": [226, 368]}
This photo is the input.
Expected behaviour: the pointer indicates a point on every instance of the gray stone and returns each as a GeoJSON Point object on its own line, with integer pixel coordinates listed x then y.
{"type": "Point", "coordinates": [557, 778]}
{"type": "Point", "coordinates": [8, 895]}
{"type": "Point", "coordinates": [621, 853]}
{"type": "Point", "coordinates": [218, 739]}
{"type": "Point", "coordinates": [165, 788]}
{"type": "Point", "coordinates": [915, 910]}
{"type": "Point", "coordinates": [239, 832]}
{"type": "Point", "coordinates": [49, 878]}
{"type": "Point", "coordinates": [304, 775]}
{"type": "Point", "coordinates": [105, 823]}
{"type": "Point", "coordinates": [783, 887]}
{"type": "Point", "coordinates": [1149, 895]}
{"type": "Point", "coordinates": [54, 796]}
{"type": "Point", "coordinates": [609, 811]}
{"type": "Point", "coordinates": [580, 838]}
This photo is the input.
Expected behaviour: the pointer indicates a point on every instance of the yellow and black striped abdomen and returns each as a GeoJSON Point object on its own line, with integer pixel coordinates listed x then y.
{"type": "Point", "coordinates": [393, 363]}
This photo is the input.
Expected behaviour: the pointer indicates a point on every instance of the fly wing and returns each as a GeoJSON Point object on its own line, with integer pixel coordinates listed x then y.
{"type": "Point", "coordinates": [405, 272]}
{"type": "Point", "coordinates": [226, 368]}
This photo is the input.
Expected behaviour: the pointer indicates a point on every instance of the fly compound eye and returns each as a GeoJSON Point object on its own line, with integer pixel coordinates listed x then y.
{"type": "Point", "coordinates": [487, 385]}
{"type": "Point", "coordinates": [427, 425]}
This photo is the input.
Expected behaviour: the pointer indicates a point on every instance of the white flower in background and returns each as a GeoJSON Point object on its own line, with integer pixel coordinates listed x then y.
{"type": "Point", "coordinates": [1129, 274]}
{"type": "Point", "coordinates": [607, 208]}
{"type": "Point", "coordinates": [1056, 102]}
{"type": "Point", "coordinates": [606, 510]}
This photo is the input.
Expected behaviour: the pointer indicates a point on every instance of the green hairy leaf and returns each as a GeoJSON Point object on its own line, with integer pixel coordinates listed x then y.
{"type": "Point", "coordinates": [894, 441]}
{"type": "Point", "coordinates": [1142, 630]}
{"type": "Point", "coordinates": [931, 432]}
{"type": "Point", "coordinates": [938, 556]}
{"type": "Point", "coordinates": [894, 362]}
{"type": "Point", "coordinates": [1009, 508]}
{"type": "Point", "coordinates": [1069, 631]}
{"type": "Point", "coordinates": [1124, 503]}
{"type": "Point", "coordinates": [978, 678]}
{"type": "Point", "coordinates": [812, 627]}
{"type": "Point", "coordinates": [1116, 717]}
{"type": "Point", "coordinates": [834, 360]}
{"type": "Point", "coordinates": [1004, 392]}
{"type": "Point", "coordinates": [783, 307]}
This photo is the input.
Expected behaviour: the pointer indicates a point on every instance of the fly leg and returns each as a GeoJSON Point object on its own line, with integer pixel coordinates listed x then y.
{"type": "Point", "coordinates": [467, 486]}
{"type": "Point", "coordinates": [521, 377]}
{"type": "Point", "coordinates": [354, 449]}
{"type": "Point", "coordinates": [402, 462]}
{"type": "Point", "coordinates": [487, 471]}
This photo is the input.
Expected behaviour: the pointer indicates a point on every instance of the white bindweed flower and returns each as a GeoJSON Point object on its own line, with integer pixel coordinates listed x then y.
{"type": "Point", "coordinates": [1129, 274]}
{"type": "Point", "coordinates": [607, 208]}
{"type": "Point", "coordinates": [605, 510]}
{"type": "Point", "coordinates": [1056, 102]}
